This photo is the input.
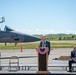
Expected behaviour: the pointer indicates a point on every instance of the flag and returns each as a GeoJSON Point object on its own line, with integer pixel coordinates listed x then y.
{"type": "Point", "coordinates": [42, 50]}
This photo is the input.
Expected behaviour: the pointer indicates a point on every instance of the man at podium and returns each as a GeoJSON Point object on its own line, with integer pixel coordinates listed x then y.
{"type": "Point", "coordinates": [44, 43]}
{"type": "Point", "coordinates": [42, 58]}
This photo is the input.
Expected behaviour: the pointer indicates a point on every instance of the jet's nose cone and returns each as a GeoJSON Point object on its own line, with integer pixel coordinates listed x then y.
{"type": "Point", "coordinates": [31, 38]}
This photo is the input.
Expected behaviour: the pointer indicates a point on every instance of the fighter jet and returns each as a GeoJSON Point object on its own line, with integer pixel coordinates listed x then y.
{"type": "Point", "coordinates": [9, 35]}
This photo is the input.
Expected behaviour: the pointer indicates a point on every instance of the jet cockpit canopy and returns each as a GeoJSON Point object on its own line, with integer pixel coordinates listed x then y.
{"type": "Point", "coordinates": [8, 29]}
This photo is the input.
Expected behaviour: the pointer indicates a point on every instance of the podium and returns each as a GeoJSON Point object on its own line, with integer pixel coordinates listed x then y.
{"type": "Point", "coordinates": [42, 60]}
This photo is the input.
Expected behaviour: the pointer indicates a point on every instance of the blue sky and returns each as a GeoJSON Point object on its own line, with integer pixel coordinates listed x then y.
{"type": "Point", "coordinates": [39, 16]}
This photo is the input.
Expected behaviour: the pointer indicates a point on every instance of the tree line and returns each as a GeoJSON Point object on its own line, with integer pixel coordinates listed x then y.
{"type": "Point", "coordinates": [58, 36]}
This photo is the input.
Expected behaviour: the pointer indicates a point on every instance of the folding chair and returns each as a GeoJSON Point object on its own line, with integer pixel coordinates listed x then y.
{"type": "Point", "coordinates": [14, 62]}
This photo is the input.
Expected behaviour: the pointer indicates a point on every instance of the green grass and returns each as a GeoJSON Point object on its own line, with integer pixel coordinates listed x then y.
{"type": "Point", "coordinates": [63, 44]}
{"type": "Point", "coordinates": [54, 44]}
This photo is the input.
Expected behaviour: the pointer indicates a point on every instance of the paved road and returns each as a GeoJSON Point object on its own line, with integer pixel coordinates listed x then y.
{"type": "Point", "coordinates": [55, 53]}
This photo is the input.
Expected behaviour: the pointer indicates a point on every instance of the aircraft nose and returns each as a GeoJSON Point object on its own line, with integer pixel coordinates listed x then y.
{"type": "Point", "coordinates": [31, 39]}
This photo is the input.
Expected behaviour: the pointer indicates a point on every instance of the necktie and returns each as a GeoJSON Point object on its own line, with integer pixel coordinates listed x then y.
{"type": "Point", "coordinates": [43, 44]}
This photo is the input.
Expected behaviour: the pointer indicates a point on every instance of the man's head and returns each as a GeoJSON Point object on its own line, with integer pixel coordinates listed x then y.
{"type": "Point", "coordinates": [74, 47]}
{"type": "Point", "coordinates": [43, 37]}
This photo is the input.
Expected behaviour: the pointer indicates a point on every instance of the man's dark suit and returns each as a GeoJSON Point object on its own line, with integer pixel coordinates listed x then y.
{"type": "Point", "coordinates": [47, 45]}
{"type": "Point", "coordinates": [72, 59]}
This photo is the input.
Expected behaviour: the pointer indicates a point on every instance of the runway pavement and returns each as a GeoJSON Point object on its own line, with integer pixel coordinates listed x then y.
{"type": "Point", "coordinates": [55, 53]}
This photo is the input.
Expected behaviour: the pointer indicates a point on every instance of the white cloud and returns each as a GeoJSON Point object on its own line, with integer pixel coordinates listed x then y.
{"type": "Point", "coordinates": [37, 29]}
{"type": "Point", "coordinates": [71, 31]}
{"type": "Point", "coordinates": [45, 31]}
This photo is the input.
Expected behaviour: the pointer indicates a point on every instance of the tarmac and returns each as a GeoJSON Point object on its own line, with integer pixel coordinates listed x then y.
{"type": "Point", "coordinates": [54, 53]}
